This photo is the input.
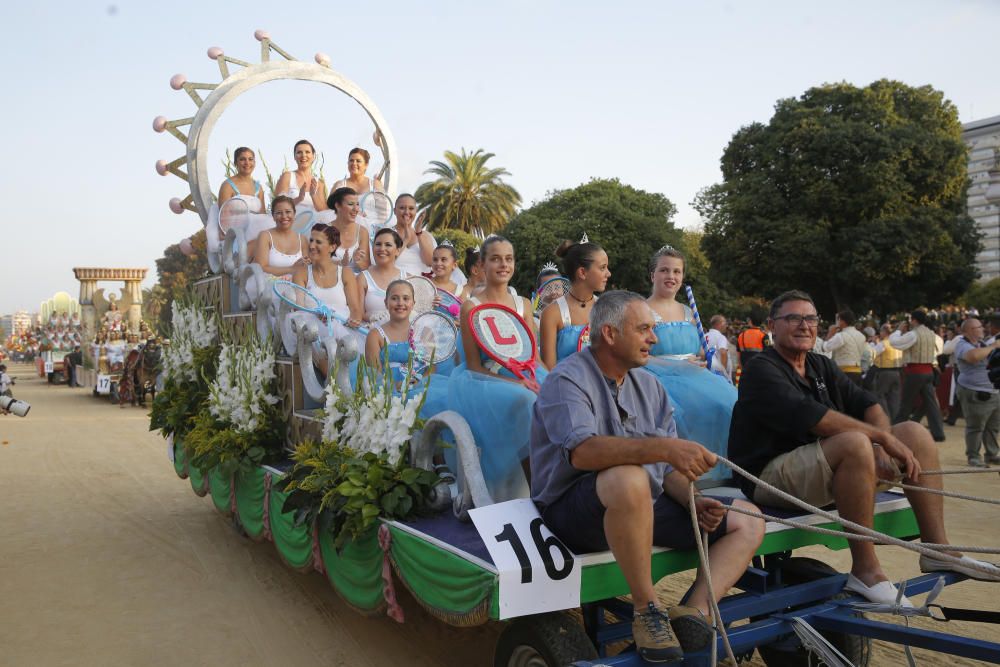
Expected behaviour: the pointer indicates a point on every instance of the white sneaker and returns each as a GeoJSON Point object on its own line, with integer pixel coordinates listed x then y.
{"type": "Point", "coordinates": [966, 567]}
{"type": "Point", "coordinates": [881, 593]}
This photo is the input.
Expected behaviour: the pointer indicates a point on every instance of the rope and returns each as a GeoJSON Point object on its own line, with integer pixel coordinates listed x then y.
{"type": "Point", "coordinates": [984, 568]}
{"type": "Point", "coordinates": [852, 536]}
{"type": "Point", "coordinates": [949, 494]}
{"type": "Point", "coordinates": [959, 471]}
{"type": "Point", "coordinates": [701, 540]}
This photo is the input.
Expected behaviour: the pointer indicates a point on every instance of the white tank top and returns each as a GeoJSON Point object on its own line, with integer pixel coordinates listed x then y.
{"type": "Point", "coordinates": [279, 260]}
{"type": "Point", "coordinates": [517, 300]}
{"type": "Point", "coordinates": [338, 255]}
{"type": "Point", "coordinates": [334, 297]}
{"type": "Point", "coordinates": [252, 201]}
{"type": "Point", "coordinates": [293, 192]}
{"type": "Point", "coordinates": [409, 260]}
{"type": "Point", "coordinates": [375, 310]}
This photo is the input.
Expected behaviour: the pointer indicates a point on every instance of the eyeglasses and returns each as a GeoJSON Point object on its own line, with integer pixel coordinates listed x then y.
{"type": "Point", "coordinates": [812, 321]}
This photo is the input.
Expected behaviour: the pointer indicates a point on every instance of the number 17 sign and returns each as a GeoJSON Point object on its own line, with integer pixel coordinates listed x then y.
{"type": "Point", "coordinates": [537, 572]}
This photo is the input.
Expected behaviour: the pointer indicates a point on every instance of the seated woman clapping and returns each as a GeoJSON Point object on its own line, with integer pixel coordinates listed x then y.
{"type": "Point", "coordinates": [357, 178]}
{"type": "Point", "coordinates": [306, 189]}
{"type": "Point", "coordinates": [354, 248]}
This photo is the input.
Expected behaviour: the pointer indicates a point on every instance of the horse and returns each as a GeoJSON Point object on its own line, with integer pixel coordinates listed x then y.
{"type": "Point", "coordinates": [142, 365]}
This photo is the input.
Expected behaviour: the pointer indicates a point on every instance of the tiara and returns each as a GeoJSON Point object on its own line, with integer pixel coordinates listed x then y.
{"type": "Point", "coordinates": [666, 247]}
{"type": "Point", "coordinates": [584, 239]}
{"type": "Point", "coordinates": [550, 266]}
{"type": "Point", "coordinates": [445, 243]}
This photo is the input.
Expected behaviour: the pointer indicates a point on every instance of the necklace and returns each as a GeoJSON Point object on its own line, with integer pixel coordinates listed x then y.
{"type": "Point", "coordinates": [583, 304]}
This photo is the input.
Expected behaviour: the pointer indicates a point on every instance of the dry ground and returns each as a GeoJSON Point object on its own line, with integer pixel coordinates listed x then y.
{"type": "Point", "coordinates": [107, 558]}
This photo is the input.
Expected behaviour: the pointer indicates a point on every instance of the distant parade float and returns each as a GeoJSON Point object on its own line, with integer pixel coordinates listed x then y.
{"type": "Point", "coordinates": [368, 478]}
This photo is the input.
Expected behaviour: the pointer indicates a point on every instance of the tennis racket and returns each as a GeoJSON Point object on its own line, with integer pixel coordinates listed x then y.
{"type": "Point", "coordinates": [448, 304]}
{"type": "Point", "coordinates": [304, 221]}
{"type": "Point", "coordinates": [433, 338]}
{"type": "Point", "coordinates": [424, 294]}
{"type": "Point", "coordinates": [506, 339]}
{"type": "Point", "coordinates": [376, 210]}
{"type": "Point", "coordinates": [300, 298]}
{"type": "Point", "coordinates": [234, 214]}
{"type": "Point", "coordinates": [548, 292]}
{"type": "Point", "coordinates": [584, 339]}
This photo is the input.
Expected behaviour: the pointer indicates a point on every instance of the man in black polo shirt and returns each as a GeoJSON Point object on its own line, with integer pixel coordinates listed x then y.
{"type": "Point", "coordinates": [802, 426]}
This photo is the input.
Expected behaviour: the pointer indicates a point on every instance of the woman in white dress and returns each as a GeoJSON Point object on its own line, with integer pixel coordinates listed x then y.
{"type": "Point", "coordinates": [354, 248]}
{"type": "Point", "coordinates": [373, 282]}
{"type": "Point", "coordinates": [418, 244]}
{"type": "Point", "coordinates": [357, 180]}
{"type": "Point", "coordinates": [280, 251]}
{"type": "Point", "coordinates": [242, 185]}
{"type": "Point", "coordinates": [306, 189]}
{"type": "Point", "coordinates": [326, 279]}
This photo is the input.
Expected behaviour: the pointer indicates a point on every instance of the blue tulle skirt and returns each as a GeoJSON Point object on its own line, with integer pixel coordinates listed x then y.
{"type": "Point", "coordinates": [703, 405]}
{"type": "Point", "coordinates": [567, 341]}
{"type": "Point", "coordinates": [499, 415]}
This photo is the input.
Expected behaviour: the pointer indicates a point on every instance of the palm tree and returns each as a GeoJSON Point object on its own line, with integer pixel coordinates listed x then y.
{"type": "Point", "coordinates": [467, 195]}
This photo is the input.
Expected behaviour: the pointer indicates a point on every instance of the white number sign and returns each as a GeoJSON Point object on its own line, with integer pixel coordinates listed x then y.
{"type": "Point", "coordinates": [103, 384]}
{"type": "Point", "coordinates": [537, 572]}
{"type": "Point", "coordinates": [48, 367]}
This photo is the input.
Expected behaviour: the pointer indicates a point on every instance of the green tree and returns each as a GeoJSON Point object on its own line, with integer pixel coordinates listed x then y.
{"type": "Point", "coordinates": [467, 195]}
{"type": "Point", "coordinates": [176, 272]}
{"type": "Point", "coordinates": [856, 195]}
{"type": "Point", "coordinates": [983, 296]}
{"type": "Point", "coordinates": [461, 240]}
{"type": "Point", "coordinates": [628, 223]}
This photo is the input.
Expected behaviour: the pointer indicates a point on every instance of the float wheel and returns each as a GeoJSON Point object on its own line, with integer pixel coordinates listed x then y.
{"type": "Point", "coordinates": [545, 640]}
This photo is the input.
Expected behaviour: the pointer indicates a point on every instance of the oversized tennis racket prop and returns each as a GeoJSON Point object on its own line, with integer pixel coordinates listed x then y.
{"type": "Point", "coordinates": [301, 299]}
{"type": "Point", "coordinates": [506, 339]}
{"type": "Point", "coordinates": [376, 211]}
{"type": "Point", "coordinates": [233, 214]}
{"type": "Point", "coordinates": [304, 221]}
{"type": "Point", "coordinates": [448, 304]}
{"type": "Point", "coordinates": [548, 292]}
{"type": "Point", "coordinates": [584, 339]}
{"type": "Point", "coordinates": [709, 352]}
{"type": "Point", "coordinates": [424, 294]}
{"type": "Point", "coordinates": [433, 339]}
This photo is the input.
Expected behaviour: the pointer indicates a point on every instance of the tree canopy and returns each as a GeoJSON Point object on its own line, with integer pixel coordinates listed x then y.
{"type": "Point", "coordinates": [176, 272]}
{"type": "Point", "coordinates": [628, 223]}
{"type": "Point", "coordinates": [856, 195]}
{"type": "Point", "coordinates": [467, 195]}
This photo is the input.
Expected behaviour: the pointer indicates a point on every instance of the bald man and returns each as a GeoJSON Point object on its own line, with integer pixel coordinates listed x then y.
{"type": "Point", "coordinates": [979, 398]}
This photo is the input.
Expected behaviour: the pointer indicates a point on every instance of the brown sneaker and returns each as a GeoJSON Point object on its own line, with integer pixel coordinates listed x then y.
{"type": "Point", "coordinates": [654, 640]}
{"type": "Point", "coordinates": [693, 630]}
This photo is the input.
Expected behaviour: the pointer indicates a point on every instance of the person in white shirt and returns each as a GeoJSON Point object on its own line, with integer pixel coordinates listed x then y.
{"type": "Point", "coordinates": [717, 340]}
{"type": "Point", "coordinates": [920, 347]}
{"type": "Point", "coordinates": [847, 346]}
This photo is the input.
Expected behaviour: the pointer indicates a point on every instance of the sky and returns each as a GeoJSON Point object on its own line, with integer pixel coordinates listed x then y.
{"type": "Point", "coordinates": [562, 92]}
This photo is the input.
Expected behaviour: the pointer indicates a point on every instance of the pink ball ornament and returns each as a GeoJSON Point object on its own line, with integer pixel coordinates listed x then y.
{"type": "Point", "coordinates": [454, 309]}
{"type": "Point", "coordinates": [261, 35]}
{"type": "Point", "coordinates": [186, 247]}
{"type": "Point", "coordinates": [214, 52]}
{"type": "Point", "coordinates": [159, 124]}
{"type": "Point", "coordinates": [322, 59]}
{"type": "Point", "coordinates": [161, 167]}
{"type": "Point", "coordinates": [177, 81]}
{"type": "Point", "coordinates": [175, 206]}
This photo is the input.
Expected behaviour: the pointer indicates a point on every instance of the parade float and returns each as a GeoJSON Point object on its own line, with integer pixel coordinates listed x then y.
{"type": "Point", "coordinates": [262, 417]}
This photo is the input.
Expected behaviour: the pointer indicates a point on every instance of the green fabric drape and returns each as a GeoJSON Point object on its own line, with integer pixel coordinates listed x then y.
{"type": "Point", "coordinates": [250, 489]}
{"type": "Point", "coordinates": [220, 485]}
{"type": "Point", "coordinates": [442, 581]}
{"type": "Point", "coordinates": [199, 480]}
{"type": "Point", "coordinates": [356, 572]}
{"type": "Point", "coordinates": [180, 458]}
{"type": "Point", "coordinates": [294, 543]}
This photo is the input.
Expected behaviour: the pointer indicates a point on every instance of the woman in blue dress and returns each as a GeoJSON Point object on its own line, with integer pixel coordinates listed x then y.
{"type": "Point", "coordinates": [564, 319]}
{"type": "Point", "coordinates": [703, 401]}
{"type": "Point", "coordinates": [496, 405]}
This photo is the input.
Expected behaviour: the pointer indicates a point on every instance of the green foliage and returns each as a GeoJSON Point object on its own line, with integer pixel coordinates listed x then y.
{"type": "Point", "coordinates": [983, 296]}
{"type": "Point", "coordinates": [856, 195]}
{"type": "Point", "coordinates": [178, 404]}
{"type": "Point", "coordinates": [467, 195]}
{"type": "Point", "coordinates": [212, 444]}
{"type": "Point", "coordinates": [177, 272]}
{"type": "Point", "coordinates": [629, 224]}
{"type": "Point", "coordinates": [347, 492]}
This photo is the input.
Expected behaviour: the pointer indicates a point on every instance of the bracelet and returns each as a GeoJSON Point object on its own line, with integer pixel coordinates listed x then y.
{"type": "Point", "coordinates": [419, 233]}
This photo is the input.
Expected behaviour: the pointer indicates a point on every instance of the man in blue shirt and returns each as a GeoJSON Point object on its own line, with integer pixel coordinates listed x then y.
{"type": "Point", "coordinates": [979, 398]}
{"type": "Point", "coordinates": [609, 472]}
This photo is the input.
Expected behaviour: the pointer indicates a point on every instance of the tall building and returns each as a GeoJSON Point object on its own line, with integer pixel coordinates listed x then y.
{"type": "Point", "coordinates": [983, 139]}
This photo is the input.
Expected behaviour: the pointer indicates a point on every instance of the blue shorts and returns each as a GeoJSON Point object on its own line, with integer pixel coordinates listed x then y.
{"type": "Point", "coordinates": [577, 518]}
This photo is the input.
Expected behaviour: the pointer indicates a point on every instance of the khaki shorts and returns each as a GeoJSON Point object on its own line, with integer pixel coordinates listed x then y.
{"type": "Point", "coordinates": [803, 472]}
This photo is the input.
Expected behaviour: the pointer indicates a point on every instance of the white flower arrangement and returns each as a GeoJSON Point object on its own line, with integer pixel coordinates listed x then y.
{"type": "Point", "coordinates": [193, 329]}
{"type": "Point", "coordinates": [239, 394]}
{"type": "Point", "coordinates": [373, 418]}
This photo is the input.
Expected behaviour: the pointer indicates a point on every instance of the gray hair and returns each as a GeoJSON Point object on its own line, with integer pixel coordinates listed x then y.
{"type": "Point", "coordinates": [609, 310]}
{"type": "Point", "coordinates": [790, 295]}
